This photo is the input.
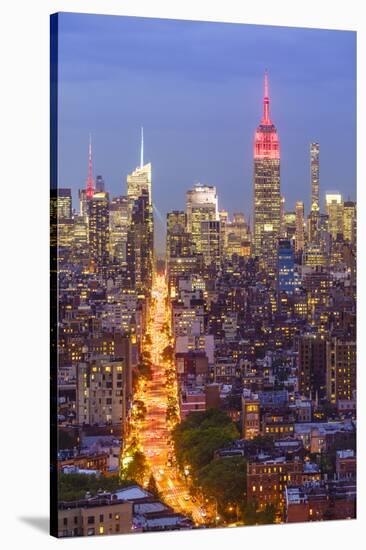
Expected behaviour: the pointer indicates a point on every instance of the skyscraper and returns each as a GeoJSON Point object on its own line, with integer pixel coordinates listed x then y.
{"type": "Point", "coordinates": [99, 184]}
{"type": "Point", "coordinates": [140, 179]}
{"type": "Point", "coordinates": [118, 226]}
{"type": "Point", "coordinates": [334, 210]}
{"type": "Point", "coordinates": [99, 229]}
{"type": "Point", "coordinates": [299, 234]}
{"type": "Point", "coordinates": [210, 242]}
{"type": "Point", "coordinates": [349, 221]}
{"type": "Point", "coordinates": [314, 174]}
{"type": "Point", "coordinates": [177, 238]}
{"type": "Point", "coordinates": [286, 267]}
{"type": "Point", "coordinates": [61, 204]}
{"type": "Point", "coordinates": [312, 365]}
{"type": "Point", "coordinates": [341, 369]}
{"type": "Point", "coordinates": [267, 197]}
{"type": "Point", "coordinates": [202, 206]}
{"type": "Point", "coordinates": [140, 245]}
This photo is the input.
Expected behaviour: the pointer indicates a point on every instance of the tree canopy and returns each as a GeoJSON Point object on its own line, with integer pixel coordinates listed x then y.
{"type": "Point", "coordinates": [75, 486]}
{"type": "Point", "coordinates": [224, 479]}
{"type": "Point", "coordinates": [198, 437]}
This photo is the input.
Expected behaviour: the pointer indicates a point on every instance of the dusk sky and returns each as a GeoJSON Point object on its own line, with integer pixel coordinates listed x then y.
{"type": "Point", "coordinates": [197, 90]}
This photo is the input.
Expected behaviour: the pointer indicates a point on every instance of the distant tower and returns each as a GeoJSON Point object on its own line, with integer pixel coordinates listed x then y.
{"type": "Point", "coordinates": [90, 187]}
{"type": "Point", "coordinates": [334, 209]}
{"type": "Point", "coordinates": [314, 174]}
{"type": "Point", "coordinates": [140, 179]}
{"type": "Point", "coordinates": [98, 225]}
{"type": "Point", "coordinates": [267, 196]}
{"type": "Point", "coordinates": [99, 184]}
{"type": "Point", "coordinates": [299, 221]}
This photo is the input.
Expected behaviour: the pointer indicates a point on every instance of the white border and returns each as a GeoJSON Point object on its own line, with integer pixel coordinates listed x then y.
{"type": "Point", "coordinates": [24, 169]}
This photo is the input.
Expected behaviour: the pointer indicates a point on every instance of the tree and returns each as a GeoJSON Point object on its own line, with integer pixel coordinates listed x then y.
{"type": "Point", "coordinates": [75, 486]}
{"type": "Point", "coordinates": [144, 370]}
{"type": "Point", "coordinates": [225, 479]}
{"type": "Point", "coordinates": [198, 437]}
{"type": "Point", "coordinates": [152, 486]}
{"type": "Point", "coordinates": [135, 468]}
{"type": "Point", "coordinates": [67, 439]}
{"type": "Point", "coordinates": [210, 440]}
{"type": "Point", "coordinates": [253, 516]}
{"type": "Point", "coordinates": [167, 353]}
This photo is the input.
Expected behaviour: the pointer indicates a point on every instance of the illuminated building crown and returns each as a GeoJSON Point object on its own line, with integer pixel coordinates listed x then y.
{"type": "Point", "coordinates": [266, 142]}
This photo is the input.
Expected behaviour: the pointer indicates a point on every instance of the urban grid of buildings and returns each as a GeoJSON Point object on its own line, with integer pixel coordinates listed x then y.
{"type": "Point", "coordinates": [262, 325]}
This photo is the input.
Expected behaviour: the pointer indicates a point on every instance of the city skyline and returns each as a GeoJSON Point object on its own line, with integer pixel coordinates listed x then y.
{"type": "Point", "coordinates": [212, 384]}
{"type": "Point", "coordinates": [221, 127]}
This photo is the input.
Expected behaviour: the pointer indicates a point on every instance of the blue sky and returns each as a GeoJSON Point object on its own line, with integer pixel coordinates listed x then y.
{"type": "Point", "coordinates": [197, 90]}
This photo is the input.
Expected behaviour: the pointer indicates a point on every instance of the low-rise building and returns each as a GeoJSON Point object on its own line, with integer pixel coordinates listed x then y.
{"type": "Point", "coordinates": [267, 480]}
{"type": "Point", "coordinates": [317, 501]}
{"type": "Point", "coordinates": [102, 515]}
{"type": "Point", "coordinates": [346, 464]}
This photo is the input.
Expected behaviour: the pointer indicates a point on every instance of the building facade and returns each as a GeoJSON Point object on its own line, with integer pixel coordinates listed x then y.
{"type": "Point", "coordinates": [267, 196]}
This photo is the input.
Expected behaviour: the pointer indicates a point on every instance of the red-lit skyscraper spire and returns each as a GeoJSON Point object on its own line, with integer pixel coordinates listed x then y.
{"type": "Point", "coordinates": [266, 143]}
{"type": "Point", "coordinates": [266, 119]}
{"type": "Point", "coordinates": [267, 197]}
{"type": "Point", "coordinates": [90, 187]}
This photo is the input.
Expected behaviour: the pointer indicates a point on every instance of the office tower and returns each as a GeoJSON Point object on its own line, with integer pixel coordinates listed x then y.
{"type": "Point", "coordinates": [140, 245]}
{"type": "Point", "coordinates": [312, 365]}
{"type": "Point", "coordinates": [101, 392]}
{"type": "Point", "coordinates": [286, 267]}
{"type": "Point", "coordinates": [118, 226]}
{"type": "Point", "coordinates": [140, 179]}
{"type": "Point", "coordinates": [267, 197]}
{"type": "Point", "coordinates": [282, 218]}
{"type": "Point", "coordinates": [210, 242]}
{"type": "Point", "coordinates": [98, 222]}
{"type": "Point", "coordinates": [224, 223]}
{"type": "Point", "coordinates": [317, 285]}
{"type": "Point", "coordinates": [313, 255]}
{"type": "Point", "coordinates": [290, 225]}
{"type": "Point", "coordinates": [238, 236]}
{"type": "Point", "coordinates": [349, 221]}
{"type": "Point", "coordinates": [177, 238]}
{"type": "Point", "coordinates": [99, 184]}
{"type": "Point", "coordinates": [299, 235]}
{"type": "Point", "coordinates": [202, 206]}
{"type": "Point", "coordinates": [314, 175]}
{"type": "Point", "coordinates": [83, 204]}
{"type": "Point", "coordinates": [313, 225]}
{"type": "Point", "coordinates": [61, 204]}
{"type": "Point", "coordinates": [80, 234]}
{"type": "Point", "coordinates": [341, 370]}
{"type": "Point", "coordinates": [334, 210]}
{"type": "Point", "coordinates": [180, 250]}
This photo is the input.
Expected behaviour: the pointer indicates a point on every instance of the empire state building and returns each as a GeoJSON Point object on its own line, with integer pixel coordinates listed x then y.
{"type": "Point", "coordinates": [267, 196]}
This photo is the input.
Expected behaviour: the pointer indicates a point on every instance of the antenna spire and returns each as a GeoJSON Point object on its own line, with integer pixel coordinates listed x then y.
{"type": "Point", "coordinates": [266, 119]}
{"type": "Point", "coordinates": [90, 189]}
{"type": "Point", "coordinates": [142, 148]}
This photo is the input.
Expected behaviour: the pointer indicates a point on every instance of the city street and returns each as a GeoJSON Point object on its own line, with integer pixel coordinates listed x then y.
{"type": "Point", "coordinates": [153, 433]}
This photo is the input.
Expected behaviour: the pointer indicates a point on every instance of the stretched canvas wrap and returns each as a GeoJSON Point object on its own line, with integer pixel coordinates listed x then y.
{"type": "Point", "coordinates": [203, 275]}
